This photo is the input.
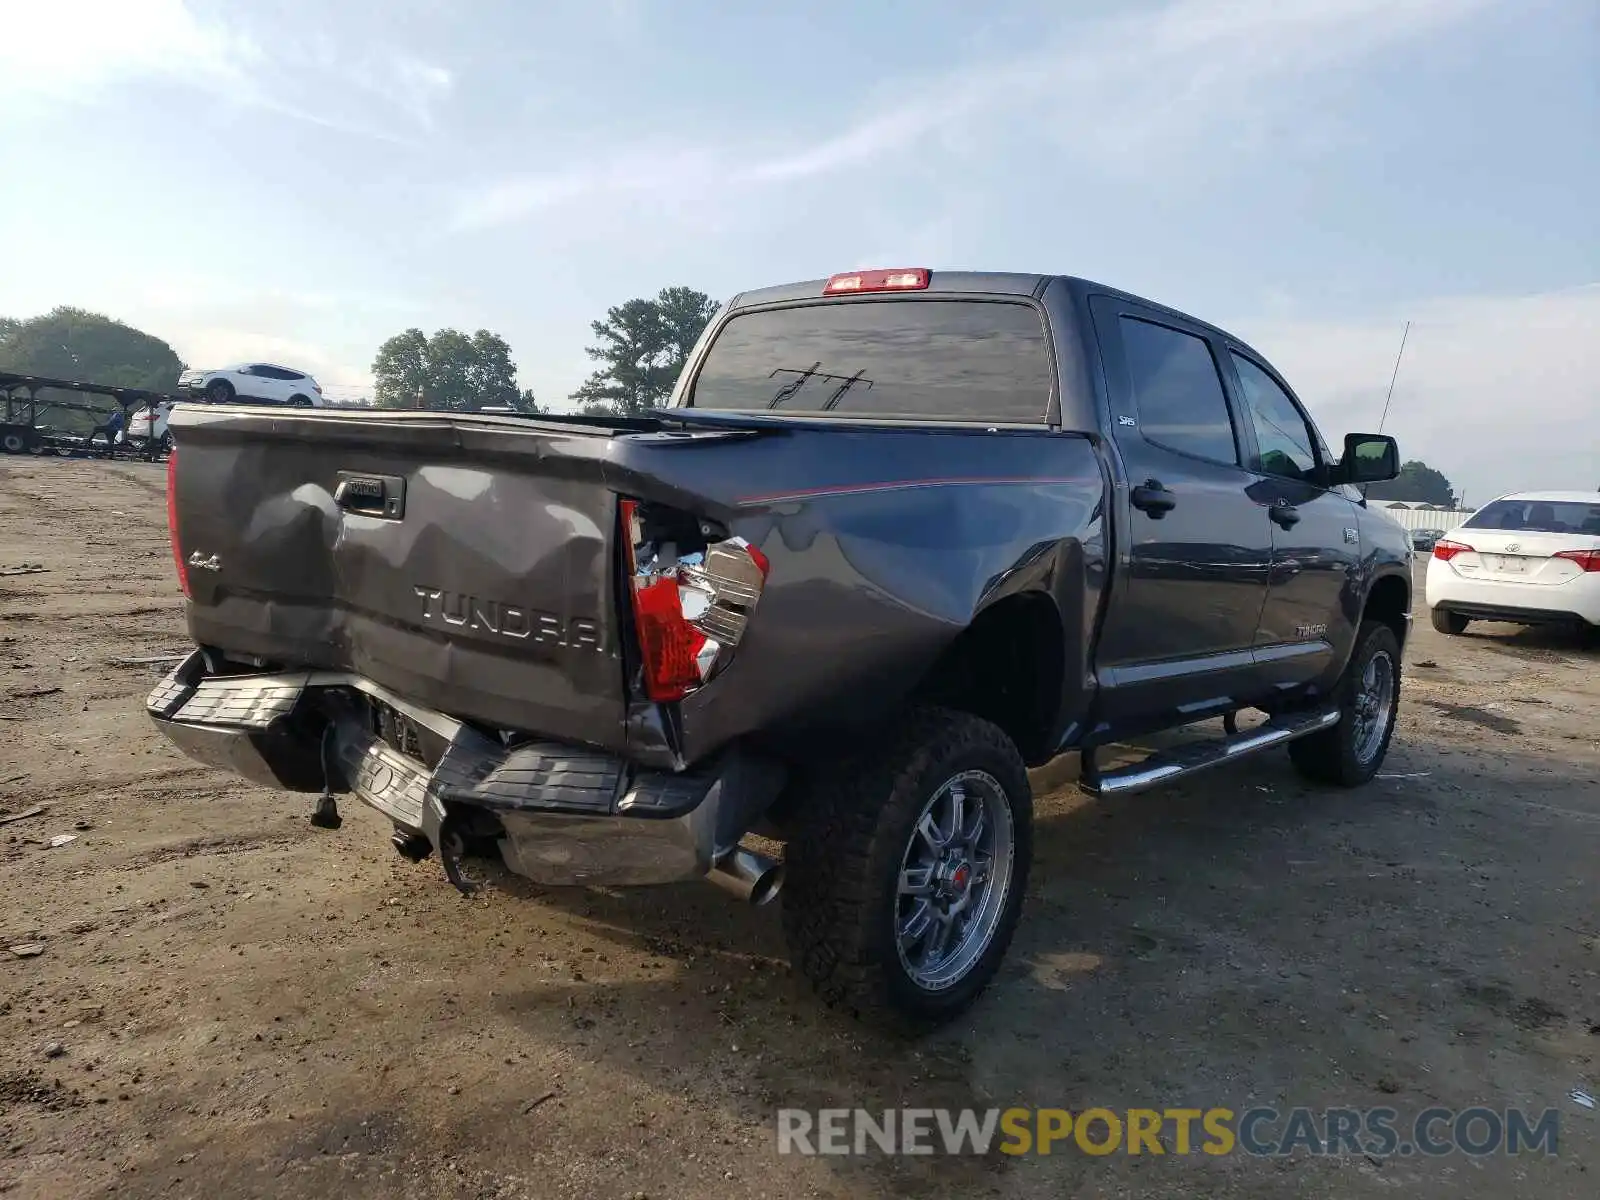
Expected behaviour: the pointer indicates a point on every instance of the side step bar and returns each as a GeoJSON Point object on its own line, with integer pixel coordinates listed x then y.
{"type": "Point", "coordinates": [1167, 765]}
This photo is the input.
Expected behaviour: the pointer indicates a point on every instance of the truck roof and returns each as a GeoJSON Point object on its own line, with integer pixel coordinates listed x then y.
{"type": "Point", "coordinates": [1001, 283]}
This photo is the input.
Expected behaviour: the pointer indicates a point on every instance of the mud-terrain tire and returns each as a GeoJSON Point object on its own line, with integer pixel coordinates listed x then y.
{"type": "Point", "coordinates": [859, 826]}
{"type": "Point", "coordinates": [1349, 754]}
{"type": "Point", "coordinates": [1446, 621]}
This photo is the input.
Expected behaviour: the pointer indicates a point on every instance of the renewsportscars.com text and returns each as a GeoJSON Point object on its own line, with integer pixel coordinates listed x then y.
{"type": "Point", "coordinates": [1262, 1132]}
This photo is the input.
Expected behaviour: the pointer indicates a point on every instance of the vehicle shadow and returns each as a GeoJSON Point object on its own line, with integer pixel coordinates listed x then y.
{"type": "Point", "coordinates": [1242, 936]}
{"type": "Point", "coordinates": [1542, 643]}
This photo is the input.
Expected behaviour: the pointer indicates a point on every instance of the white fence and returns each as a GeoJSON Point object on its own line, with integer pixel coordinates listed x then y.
{"type": "Point", "coordinates": [1423, 518]}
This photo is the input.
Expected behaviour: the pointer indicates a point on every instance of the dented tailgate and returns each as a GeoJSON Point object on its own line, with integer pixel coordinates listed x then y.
{"type": "Point", "coordinates": [465, 563]}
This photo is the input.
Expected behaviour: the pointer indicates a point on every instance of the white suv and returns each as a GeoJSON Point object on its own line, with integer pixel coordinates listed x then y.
{"type": "Point", "coordinates": [1532, 558]}
{"type": "Point", "coordinates": [261, 382]}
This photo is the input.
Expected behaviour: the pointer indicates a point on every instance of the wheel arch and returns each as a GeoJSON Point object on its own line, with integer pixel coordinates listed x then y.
{"type": "Point", "coordinates": [1007, 666]}
{"type": "Point", "coordinates": [1389, 600]}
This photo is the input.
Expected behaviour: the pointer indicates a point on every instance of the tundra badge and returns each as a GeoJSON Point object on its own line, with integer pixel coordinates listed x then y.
{"type": "Point", "coordinates": [201, 563]}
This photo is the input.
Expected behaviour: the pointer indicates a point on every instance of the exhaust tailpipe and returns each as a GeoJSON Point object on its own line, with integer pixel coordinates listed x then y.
{"type": "Point", "coordinates": [750, 876]}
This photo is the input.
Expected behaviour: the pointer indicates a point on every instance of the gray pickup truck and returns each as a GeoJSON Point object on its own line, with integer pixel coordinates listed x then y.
{"type": "Point", "coordinates": [899, 536]}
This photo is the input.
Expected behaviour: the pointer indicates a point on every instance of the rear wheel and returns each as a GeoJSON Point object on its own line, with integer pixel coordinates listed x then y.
{"type": "Point", "coordinates": [13, 443]}
{"type": "Point", "coordinates": [905, 879]}
{"type": "Point", "coordinates": [219, 391]}
{"type": "Point", "coordinates": [300, 401]}
{"type": "Point", "coordinates": [1446, 621]}
{"type": "Point", "coordinates": [1350, 753]}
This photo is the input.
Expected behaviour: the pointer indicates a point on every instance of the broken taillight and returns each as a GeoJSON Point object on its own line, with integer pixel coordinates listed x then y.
{"type": "Point", "coordinates": [172, 521]}
{"type": "Point", "coordinates": [691, 598]}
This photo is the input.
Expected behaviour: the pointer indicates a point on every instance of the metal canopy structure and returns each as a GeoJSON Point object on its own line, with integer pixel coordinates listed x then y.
{"type": "Point", "coordinates": [19, 423]}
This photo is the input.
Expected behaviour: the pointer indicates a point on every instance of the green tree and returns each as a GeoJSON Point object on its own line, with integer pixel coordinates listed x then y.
{"type": "Point", "coordinates": [1417, 483]}
{"type": "Point", "coordinates": [71, 343]}
{"type": "Point", "coordinates": [449, 370]}
{"type": "Point", "coordinates": [643, 345]}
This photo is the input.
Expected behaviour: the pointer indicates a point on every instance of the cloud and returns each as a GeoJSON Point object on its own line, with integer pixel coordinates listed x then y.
{"type": "Point", "coordinates": [78, 50]}
{"type": "Point", "coordinates": [1498, 392]}
{"type": "Point", "coordinates": [1120, 89]}
{"type": "Point", "coordinates": [637, 171]}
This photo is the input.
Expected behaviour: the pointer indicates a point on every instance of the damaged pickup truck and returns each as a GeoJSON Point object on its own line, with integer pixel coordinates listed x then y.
{"type": "Point", "coordinates": [898, 537]}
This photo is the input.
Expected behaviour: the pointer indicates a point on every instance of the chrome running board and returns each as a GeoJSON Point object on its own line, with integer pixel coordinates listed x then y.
{"type": "Point", "coordinates": [1164, 766]}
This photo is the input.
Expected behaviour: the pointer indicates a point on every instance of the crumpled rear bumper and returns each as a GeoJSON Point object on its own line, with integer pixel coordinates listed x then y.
{"type": "Point", "coordinates": [564, 814]}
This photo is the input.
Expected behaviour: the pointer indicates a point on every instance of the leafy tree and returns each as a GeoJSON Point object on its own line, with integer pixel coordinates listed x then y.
{"type": "Point", "coordinates": [70, 343]}
{"type": "Point", "coordinates": [1417, 483]}
{"type": "Point", "coordinates": [643, 345]}
{"type": "Point", "coordinates": [449, 370]}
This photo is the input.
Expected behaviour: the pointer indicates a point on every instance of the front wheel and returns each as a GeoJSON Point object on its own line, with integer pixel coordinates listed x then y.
{"type": "Point", "coordinates": [1350, 753]}
{"type": "Point", "coordinates": [219, 391]}
{"type": "Point", "coordinates": [905, 879]}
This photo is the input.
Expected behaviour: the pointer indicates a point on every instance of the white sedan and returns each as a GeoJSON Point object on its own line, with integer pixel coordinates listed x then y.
{"type": "Point", "coordinates": [1532, 558]}
{"type": "Point", "coordinates": [259, 382]}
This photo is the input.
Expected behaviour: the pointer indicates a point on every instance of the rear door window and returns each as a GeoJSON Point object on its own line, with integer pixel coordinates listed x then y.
{"type": "Point", "coordinates": [1177, 390]}
{"type": "Point", "coordinates": [950, 360]}
{"type": "Point", "coordinates": [1539, 516]}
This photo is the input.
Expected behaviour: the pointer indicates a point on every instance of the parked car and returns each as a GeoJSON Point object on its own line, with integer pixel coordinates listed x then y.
{"type": "Point", "coordinates": [1531, 558]}
{"type": "Point", "coordinates": [145, 424]}
{"type": "Point", "coordinates": [258, 382]}
{"type": "Point", "coordinates": [898, 537]}
{"type": "Point", "coordinates": [1423, 539]}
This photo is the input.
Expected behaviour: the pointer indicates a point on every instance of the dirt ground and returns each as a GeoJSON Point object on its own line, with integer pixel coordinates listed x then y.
{"type": "Point", "coordinates": [229, 1002]}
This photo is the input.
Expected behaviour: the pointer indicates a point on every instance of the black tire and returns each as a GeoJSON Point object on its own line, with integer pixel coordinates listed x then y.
{"type": "Point", "coordinates": [1336, 754]}
{"type": "Point", "coordinates": [300, 401]}
{"type": "Point", "coordinates": [856, 821]}
{"type": "Point", "coordinates": [14, 443]}
{"type": "Point", "coordinates": [1446, 621]}
{"type": "Point", "coordinates": [219, 391]}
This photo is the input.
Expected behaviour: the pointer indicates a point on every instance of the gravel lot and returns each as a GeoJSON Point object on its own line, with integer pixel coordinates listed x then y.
{"type": "Point", "coordinates": [229, 1002]}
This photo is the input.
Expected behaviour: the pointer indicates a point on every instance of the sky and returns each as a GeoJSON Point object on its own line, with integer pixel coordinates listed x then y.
{"type": "Point", "coordinates": [297, 180]}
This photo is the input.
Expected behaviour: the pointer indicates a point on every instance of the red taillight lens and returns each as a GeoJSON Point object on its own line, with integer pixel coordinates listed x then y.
{"type": "Point", "coordinates": [172, 521]}
{"type": "Point", "coordinates": [690, 606]}
{"type": "Point", "coordinates": [669, 645]}
{"type": "Point", "coordinates": [1445, 550]}
{"type": "Point", "coordinates": [903, 279]}
{"type": "Point", "coordinates": [1589, 560]}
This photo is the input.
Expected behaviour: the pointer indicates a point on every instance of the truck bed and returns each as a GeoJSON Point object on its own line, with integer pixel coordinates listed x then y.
{"type": "Point", "coordinates": [471, 563]}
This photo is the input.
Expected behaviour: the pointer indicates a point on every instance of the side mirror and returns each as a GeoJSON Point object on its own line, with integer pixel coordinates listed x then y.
{"type": "Point", "coordinates": [1368, 458]}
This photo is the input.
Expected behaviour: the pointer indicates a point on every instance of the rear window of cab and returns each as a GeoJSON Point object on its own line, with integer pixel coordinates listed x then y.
{"type": "Point", "coordinates": [949, 360]}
